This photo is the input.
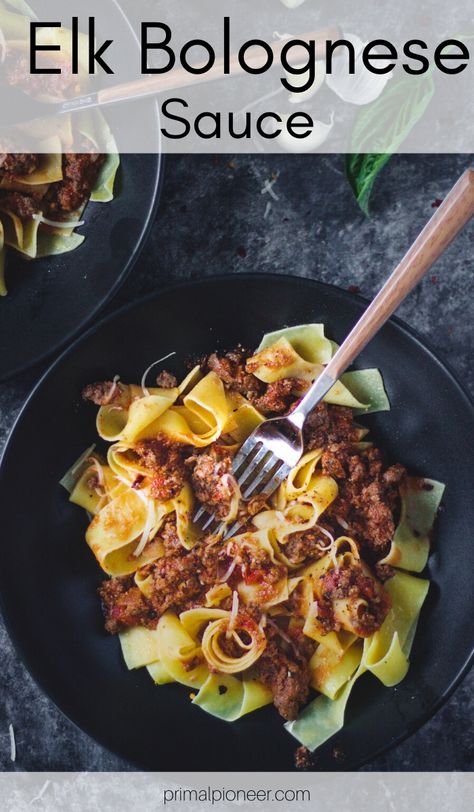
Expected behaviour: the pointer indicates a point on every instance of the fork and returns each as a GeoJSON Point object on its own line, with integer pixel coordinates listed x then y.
{"type": "Point", "coordinates": [276, 445]}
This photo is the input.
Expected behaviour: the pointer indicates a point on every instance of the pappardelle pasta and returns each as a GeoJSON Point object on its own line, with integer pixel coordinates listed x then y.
{"type": "Point", "coordinates": [318, 584]}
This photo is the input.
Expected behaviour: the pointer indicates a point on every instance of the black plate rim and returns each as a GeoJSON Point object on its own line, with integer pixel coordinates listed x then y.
{"type": "Point", "coordinates": [24, 655]}
{"type": "Point", "coordinates": [159, 167]}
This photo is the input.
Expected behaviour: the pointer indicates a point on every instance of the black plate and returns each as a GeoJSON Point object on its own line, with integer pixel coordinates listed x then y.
{"type": "Point", "coordinates": [48, 576]}
{"type": "Point", "coordinates": [51, 300]}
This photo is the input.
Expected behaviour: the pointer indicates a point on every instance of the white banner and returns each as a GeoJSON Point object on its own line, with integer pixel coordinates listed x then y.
{"type": "Point", "coordinates": [242, 792]}
{"type": "Point", "coordinates": [238, 75]}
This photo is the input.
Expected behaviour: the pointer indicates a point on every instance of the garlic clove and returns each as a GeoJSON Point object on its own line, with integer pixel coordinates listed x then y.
{"type": "Point", "coordinates": [361, 88]}
{"type": "Point", "coordinates": [312, 142]}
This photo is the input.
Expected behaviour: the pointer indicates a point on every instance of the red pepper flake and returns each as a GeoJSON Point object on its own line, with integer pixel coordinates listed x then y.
{"type": "Point", "coordinates": [137, 482]}
{"type": "Point", "coordinates": [241, 252]}
{"type": "Point", "coordinates": [434, 280]}
{"type": "Point", "coordinates": [436, 203]}
{"type": "Point", "coordinates": [353, 289]}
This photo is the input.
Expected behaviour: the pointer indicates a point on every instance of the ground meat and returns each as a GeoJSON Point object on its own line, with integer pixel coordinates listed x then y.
{"type": "Point", "coordinates": [166, 380]}
{"type": "Point", "coordinates": [270, 399]}
{"type": "Point", "coordinates": [304, 545]}
{"type": "Point", "coordinates": [394, 475]}
{"type": "Point", "coordinates": [165, 462]}
{"type": "Point", "coordinates": [125, 606]}
{"type": "Point", "coordinates": [353, 583]}
{"type": "Point", "coordinates": [231, 370]}
{"type": "Point", "coordinates": [368, 496]}
{"type": "Point", "coordinates": [256, 568]}
{"type": "Point", "coordinates": [303, 758]}
{"type": "Point", "coordinates": [329, 424]}
{"type": "Point", "coordinates": [211, 478]}
{"type": "Point", "coordinates": [179, 581]}
{"type": "Point", "coordinates": [19, 203]}
{"type": "Point", "coordinates": [18, 164]}
{"type": "Point", "coordinates": [169, 536]}
{"type": "Point", "coordinates": [384, 572]}
{"type": "Point", "coordinates": [286, 673]}
{"type": "Point", "coordinates": [101, 393]}
{"type": "Point", "coordinates": [279, 396]}
{"type": "Point", "coordinates": [80, 173]}
{"type": "Point", "coordinates": [247, 510]}
{"type": "Point", "coordinates": [175, 583]}
{"type": "Point", "coordinates": [211, 563]}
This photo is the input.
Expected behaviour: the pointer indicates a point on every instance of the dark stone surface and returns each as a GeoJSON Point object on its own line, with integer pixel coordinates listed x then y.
{"type": "Point", "coordinates": [211, 220]}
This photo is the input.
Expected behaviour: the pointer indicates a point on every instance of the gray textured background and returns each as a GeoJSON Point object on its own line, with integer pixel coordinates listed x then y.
{"type": "Point", "coordinates": [211, 220]}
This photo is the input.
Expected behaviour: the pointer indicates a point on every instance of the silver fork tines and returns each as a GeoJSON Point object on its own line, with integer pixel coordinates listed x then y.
{"type": "Point", "coordinates": [268, 455]}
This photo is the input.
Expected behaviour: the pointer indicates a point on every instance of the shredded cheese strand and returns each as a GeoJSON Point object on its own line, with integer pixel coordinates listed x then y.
{"type": "Point", "coordinates": [147, 530]}
{"type": "Point", "coordinates": [144, 376]}
{"type": "Point", "coordinates": [113, 390]}
{"type": "Point", "coordinates": [233, 614]}
{"type": "Point", "coordinates": [58, 223]}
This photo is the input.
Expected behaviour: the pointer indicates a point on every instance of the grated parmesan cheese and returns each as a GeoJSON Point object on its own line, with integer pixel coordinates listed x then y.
{"type": "Point", "coordinates": [154, 364]}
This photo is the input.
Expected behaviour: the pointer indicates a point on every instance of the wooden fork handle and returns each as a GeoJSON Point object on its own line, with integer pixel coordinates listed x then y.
{"type": "Point", "coordinates": [451, 217]}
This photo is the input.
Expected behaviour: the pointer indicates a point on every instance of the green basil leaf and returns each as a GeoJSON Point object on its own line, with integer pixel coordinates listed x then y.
{"type": "Point", "coordinates": [385, 123]}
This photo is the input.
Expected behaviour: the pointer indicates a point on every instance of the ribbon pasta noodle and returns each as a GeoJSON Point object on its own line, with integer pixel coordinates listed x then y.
{"type": "Point", "coordinates": [316, 586]}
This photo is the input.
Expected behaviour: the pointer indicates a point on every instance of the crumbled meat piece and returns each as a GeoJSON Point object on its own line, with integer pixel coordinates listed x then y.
{"type": "Point", "coordinates": [80, 173]}
{"type": "Point", "coordinates": [331, 464]}
{"type": "Point", "coordinates": [384, 571]}
{"type": "Point", "coordinates": [303, 758]}
{"type": "Point", "coordinates": [169, 536]}
{"type": "Point", "coordinates": [256, 568]}
{"type": "Point", "coordinates": [102, 393]}
{"type": "Point", "coordinates": [329, 424]}
{"type": "Point", "coordinates": [18, 164]}
{"type": "Point", "coordinates": [175, 583]}
{"type": "Point", "coordinates": [165, 462]}
{"type": "Point", "coordinates": [305, 545]}
{"type": "Point", "coordinates": [279, 396]}
{"type": "Point", "coordinates": [394, 475]}
{"type": "Point", "coordinates": [166, 380]}
{"type": "Point", "coordinates": [256, 504]}
{"type": "Point", "coordinates": [231, 370]}
{"type": "Point", "coordinates": [125, 606]}
{"type": "Point", "coordinates": [210, 562]}
{"type": "Point", "coordinates": [368, 497]}
{"type": "Point", "coordinates": [211, 478]}
{"type": "Point", "coordinates": [353, 583]}
{"type": "Point", "coordinates": [287, 674]}
{"type": "Point", "coordinates": [273, 398]}
{"type": "Point", "coordinates": [24, 205]}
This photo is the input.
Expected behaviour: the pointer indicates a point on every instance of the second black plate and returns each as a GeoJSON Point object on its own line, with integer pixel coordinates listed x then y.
{"type": "Point", "coordinates": [51, 300]}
